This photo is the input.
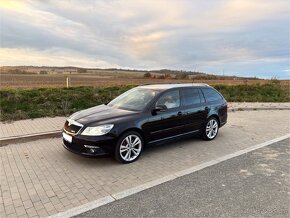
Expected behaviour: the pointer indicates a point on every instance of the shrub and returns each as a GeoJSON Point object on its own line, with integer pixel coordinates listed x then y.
{"type": "Point", "coordinates": [161, 77]}
{"type": "Point", "coordinates": [167, 76]}
{"type": "Point", "coordinates": [17, 104]}
{"type": "Point", "coordinates": [255, 93]}
{"type": "Point", "coordinates": [182, 76]}
{"type": "Point", "coordinates": [82, 70]}
{"type": "Point", "coordinates": [147, 75]}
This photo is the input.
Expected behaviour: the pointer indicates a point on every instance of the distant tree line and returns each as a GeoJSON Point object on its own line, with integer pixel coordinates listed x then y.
{"type": "Point", "coordinates": [199, 76]}
{"type": "Point", "coordinates": [166, 76]}
{"type": "Point", "coordinates": [82, 70]}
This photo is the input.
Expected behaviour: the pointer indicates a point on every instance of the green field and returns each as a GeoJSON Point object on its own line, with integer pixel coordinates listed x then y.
{"type": "Point", "coordinates": [17, 104]}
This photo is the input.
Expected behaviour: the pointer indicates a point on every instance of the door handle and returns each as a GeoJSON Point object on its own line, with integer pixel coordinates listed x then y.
{"type": "Point", "coordinates": [179, 113]}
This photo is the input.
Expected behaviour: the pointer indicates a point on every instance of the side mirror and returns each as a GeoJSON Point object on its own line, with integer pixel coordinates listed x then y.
{"type": "Point", "coordinates": [160, 108]}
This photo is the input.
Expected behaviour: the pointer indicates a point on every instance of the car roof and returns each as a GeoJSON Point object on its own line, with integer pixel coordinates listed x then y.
{"type": "Point", "coordinates": [164, 86]}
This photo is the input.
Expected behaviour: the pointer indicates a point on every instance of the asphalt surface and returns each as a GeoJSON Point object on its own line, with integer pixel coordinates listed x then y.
{"type": "Point", "coordinates": [254, 184]}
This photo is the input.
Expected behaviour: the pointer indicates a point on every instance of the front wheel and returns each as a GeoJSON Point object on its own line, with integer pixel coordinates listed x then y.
{"type": "Point", "coordinates": [211, 129]}
{"type": "Point", "coordinates": [129, 147]}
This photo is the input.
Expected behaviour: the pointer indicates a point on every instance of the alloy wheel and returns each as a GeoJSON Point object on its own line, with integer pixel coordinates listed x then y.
{"type": "Point", "coordinates": [130, 147]}
{"type": "Point", "coordinates": [211, 128]}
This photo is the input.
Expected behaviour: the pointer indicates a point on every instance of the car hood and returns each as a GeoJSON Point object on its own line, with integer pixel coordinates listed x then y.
{"type": "Point", "coordinates": [99, 114]}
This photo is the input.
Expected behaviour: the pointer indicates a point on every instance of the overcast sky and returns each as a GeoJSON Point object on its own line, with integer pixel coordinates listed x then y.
{"type": "Point", "coordinates": [231, 37]}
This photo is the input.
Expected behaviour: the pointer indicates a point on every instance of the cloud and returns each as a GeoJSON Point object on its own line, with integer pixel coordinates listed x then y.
{"type": "Point", "coordinates": [237, 36]}
{"type": "Point", "coordinates": [53, 57]}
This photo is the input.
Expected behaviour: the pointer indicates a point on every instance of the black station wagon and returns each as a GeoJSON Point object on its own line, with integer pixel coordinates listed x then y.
{"type": "Point", "coordinates": [144, 115]}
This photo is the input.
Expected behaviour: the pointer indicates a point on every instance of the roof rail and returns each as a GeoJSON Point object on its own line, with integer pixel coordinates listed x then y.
{"type": "Point", "coordinates": [202, 84]}
{"type": "Point", "coordinates": [157, 83]}
{"type": "Point", "coordinates": [175, 83]}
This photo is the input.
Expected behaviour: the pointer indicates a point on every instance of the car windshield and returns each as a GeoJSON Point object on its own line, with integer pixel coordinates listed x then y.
{"type": "Point", "coordinates": [135, 99]}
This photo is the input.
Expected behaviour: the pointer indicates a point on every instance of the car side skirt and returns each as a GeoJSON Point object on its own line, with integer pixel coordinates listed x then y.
{"type": "Point", "coordinates": [172, 137]}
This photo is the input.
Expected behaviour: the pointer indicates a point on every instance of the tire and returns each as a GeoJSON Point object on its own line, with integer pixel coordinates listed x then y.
{"type": "Point", "coordinates": [125, 151]}
{"type": "Point", "coordinates": [210, 131]}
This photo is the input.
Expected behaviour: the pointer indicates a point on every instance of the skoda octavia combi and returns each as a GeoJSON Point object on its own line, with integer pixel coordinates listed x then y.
{"type": "Point", "coordinates": [144, 115]}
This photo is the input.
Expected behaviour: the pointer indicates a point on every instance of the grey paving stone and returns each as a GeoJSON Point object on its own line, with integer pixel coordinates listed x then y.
{"type": "Point", "coordinates": [49, 165]}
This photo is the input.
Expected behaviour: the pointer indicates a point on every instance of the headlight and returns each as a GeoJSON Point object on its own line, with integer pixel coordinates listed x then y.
{"type": "Point", "coordinates": [98, 130]}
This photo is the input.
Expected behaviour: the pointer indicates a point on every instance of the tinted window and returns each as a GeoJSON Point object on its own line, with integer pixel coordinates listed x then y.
{"type": "Point", "coordinates": [211, 95]}
{"type": "Point", "coordinates": [170, 99]}
{"type": "Point", "coordinates": [190, 96]}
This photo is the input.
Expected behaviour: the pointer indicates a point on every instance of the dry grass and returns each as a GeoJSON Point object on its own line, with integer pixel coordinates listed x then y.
{"type": "Point", "coordinates": [59, 80]}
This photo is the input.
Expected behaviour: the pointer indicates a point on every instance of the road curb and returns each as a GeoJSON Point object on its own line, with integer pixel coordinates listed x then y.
{"type": "Point", "coordinates": [57, 133]}
{"type": "Point", "coordinates": [29, 137]}
{"type": "Point", "coordinates": [258, 109]}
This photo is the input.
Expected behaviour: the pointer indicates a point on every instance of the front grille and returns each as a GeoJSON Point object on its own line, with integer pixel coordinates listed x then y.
{"type": "Point", "coordinates": [72, 127]}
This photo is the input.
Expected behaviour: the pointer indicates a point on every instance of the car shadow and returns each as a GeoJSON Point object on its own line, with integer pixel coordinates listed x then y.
{"type": "Point", "coordinates": [147, 152]}
{"type": "Point", "coordinates": [170, 144]}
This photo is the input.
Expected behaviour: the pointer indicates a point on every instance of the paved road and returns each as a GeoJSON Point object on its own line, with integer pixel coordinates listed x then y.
{"type": "Point", "coordinates": [254, 184]}
{"type": "Point", "coordinates": [41, 178]}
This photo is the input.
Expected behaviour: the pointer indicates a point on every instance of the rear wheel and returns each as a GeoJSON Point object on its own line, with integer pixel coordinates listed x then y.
{"type": "Point", "coordinates": [211, 129]}
{"type": "Point", "coordinates": [129, 147]}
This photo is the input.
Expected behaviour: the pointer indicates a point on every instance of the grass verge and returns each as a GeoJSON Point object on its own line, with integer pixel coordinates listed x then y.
{"type": "Point", "coordinates": [17, 104]}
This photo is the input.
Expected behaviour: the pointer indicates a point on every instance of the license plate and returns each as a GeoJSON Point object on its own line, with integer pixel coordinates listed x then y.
{"type": "Point", "coordinates": [67, 137]}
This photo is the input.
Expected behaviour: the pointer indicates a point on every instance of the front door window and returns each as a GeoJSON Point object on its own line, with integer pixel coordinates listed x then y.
{"type": "Point", "coordinates": [170, 99]}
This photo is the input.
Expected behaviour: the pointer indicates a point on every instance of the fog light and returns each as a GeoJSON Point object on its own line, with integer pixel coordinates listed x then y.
{"type": "Point", "coordinates": [92, 150]}
{"type": "Point", "coordinates": [91, 146]}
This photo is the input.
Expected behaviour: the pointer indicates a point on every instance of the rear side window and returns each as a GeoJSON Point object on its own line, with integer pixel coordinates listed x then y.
{"type": "Point", "coordinates": [190, 96]}
{"type": "Point", "coordinates": [211, 95]}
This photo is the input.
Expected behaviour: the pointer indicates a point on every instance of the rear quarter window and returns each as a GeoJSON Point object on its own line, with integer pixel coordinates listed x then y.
{"type": "Point", "coordinates": [211, 95]}
{"type": "Point", "coordinates": [190, 96]}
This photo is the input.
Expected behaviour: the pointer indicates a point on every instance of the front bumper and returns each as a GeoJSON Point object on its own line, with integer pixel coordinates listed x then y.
{"type": "Point", "coordinates": [96, 146]}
